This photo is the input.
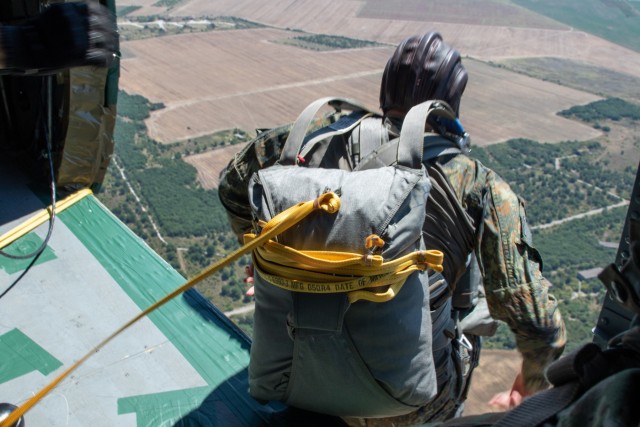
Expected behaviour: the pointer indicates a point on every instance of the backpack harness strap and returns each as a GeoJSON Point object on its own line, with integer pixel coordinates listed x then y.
{"type": "Point", "coordinates": [434, 145]}
{"type": "Point", "coordinates": [368, 137]}
{"type": "Point", "coordinates": [343, 125]}
{"type": "Point", "coordinates": [292, 147]}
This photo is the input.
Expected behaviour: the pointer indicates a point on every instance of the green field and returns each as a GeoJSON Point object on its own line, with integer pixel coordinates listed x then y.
{"type": "Point", "coordinates": [577, 75]}
{"type": "Point", "coordinates": [615, 20]}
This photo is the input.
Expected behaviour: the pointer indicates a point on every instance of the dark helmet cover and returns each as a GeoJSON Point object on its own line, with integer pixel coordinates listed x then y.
{"type": "Point", "coordinates": [422, 68]}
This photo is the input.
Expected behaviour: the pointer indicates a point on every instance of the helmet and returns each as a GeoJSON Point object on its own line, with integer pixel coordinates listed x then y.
{"type": "Point", "coordinates": [422, 68]}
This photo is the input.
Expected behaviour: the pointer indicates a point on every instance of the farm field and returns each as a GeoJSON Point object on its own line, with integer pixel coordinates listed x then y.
{"type": "Point", "coordinates": [244, 80]}
{"type": "Point", "coordinates": [210, 164]}
{"type": "Point", "coordinates": [487, 380]}
{"type": "Point", "coordinates": [473, 30]}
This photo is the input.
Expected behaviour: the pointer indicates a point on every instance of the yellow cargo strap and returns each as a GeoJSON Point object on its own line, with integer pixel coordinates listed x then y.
{"type": "Point", "coordinates": [360, 276]}
{"type": "Point", "coordinates": [41, 217]}
{"type": "Point", "coordinates": [327, 202]}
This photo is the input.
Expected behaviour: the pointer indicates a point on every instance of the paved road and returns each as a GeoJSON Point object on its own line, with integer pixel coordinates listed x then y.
{"type": "Point", "coordinates": [241, 310]}
{"type": "Point", "coordinates": [582, 215]}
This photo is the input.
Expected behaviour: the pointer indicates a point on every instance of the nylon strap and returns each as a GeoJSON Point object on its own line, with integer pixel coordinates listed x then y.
{"type": "Point", "coordinates": [413, 130]}
{"type": "Point", "coordinates": [301, 126]}
{"type": "Point", "coordinates": [341, 127]}
{"type": "Point", "coordinates": [410, 145]}
{"type": "Point", "coordinates": [41, 217]}
{"type": "Point", "coordinates": [371, 135]}
{"type": "Point", "coordinates": [326, 272]}
{"type": "Point", "coordinates": [328, 202]}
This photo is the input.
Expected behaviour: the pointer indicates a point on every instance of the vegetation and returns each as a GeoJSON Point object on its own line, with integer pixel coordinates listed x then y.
{"type": "Point", "coordinates": [135, 107]}
{"type": "Point", "coordinates": [125, 10]}
{"type": "Point", "coordinates": [245, 323]}
{"type": "Point", "coordinates": [611, 108]}
{"type": "Point", "coordinates": [142, 27]}
{"type": "Point", "coordinates": [544, 174]}
{"type": "Point", "coordinates": [182, 209]}
{"type": "Point", "coordinates": [613, 20]}
{"type": "Point", "coordinates": [575, 246]}
{"type": "Point", "coordinates": [167, 3]}
{"type": "Point", "coordinates": [162, 202]}
{"type": "Point", "coordinates": [322, 42]}
{"type": "Point", "coordinates": [204, 143]}
{"type": "Point", "coordinates": [577, 75]}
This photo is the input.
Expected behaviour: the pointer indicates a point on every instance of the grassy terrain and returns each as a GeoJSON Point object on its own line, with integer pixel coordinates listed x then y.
{"type": "Point", "coordinates": [588, 78]}
{"type": "Point", "coordinates": [143, 27]}
{"type": "Point", "coordinates": [169, 4]}
{"type": "Point", "coordinates": [473, 12]}
{"type": "Point", "coordinates": [614, 20]}
{"type": "Point", "coordinates": [125, 10]}
{"type": "Point", "coordinates": [160, 189]}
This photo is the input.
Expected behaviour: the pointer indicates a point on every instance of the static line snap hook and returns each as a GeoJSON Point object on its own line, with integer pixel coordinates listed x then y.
{"type": "Point", "coordinates": [372, 241]}
{"type": "Point", "coordinates": [8, 408]}
{"type": "Point", "coordinates": [328, 202]}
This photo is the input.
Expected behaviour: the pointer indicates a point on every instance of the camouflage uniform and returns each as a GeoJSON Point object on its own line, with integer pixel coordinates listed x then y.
{"type": "Point", "coordinates": [471, 208]}
{"type": "Point", "coordinates": [516, 291]}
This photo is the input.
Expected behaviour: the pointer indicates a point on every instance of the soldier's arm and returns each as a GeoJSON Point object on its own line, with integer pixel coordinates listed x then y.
{"type": "Point", "coordinates": [516, 291]}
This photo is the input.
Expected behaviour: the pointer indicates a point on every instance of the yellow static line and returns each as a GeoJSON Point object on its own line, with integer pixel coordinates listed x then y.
{"type": "Point", "coordinates": [41, 217]}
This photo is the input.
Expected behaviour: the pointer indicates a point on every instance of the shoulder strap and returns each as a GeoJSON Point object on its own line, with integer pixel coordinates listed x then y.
{"type": "Point", "coordinates": [413, 130]}
{"type": "Point", "coordinates": [300, 127]}
{"type": "Point", "coordinates": [343, 125]}
{"type": "Point", "coordinates": [370, 135]}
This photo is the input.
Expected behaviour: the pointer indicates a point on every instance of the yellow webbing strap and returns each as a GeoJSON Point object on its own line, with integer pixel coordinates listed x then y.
{"type": "Point", "coordinates": [41, 217]}
{"type": "Point", "coordinates": [324, 272]}
{"type": "Point", "coordinates": [328, 202]}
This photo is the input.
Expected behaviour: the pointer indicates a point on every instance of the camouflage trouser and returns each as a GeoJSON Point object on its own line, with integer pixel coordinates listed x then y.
{"type": "Point", "coordinates": [447, 404]}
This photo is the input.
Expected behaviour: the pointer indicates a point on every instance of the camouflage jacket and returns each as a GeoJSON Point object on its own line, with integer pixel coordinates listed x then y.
{"type": "Point", "coordinates": [516, 291]}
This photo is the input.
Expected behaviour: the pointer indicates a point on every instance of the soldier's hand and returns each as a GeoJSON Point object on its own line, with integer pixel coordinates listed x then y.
{"type": "Point", "coordinates": [64, 35]}
{"type": "Point", "coordinates": [510, 399]}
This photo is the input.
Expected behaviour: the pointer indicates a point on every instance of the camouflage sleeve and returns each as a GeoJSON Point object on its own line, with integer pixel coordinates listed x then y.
{"type": "Point", "coordinates": [517, 292]}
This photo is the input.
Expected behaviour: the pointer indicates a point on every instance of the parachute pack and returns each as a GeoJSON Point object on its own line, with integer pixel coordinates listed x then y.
{"type": "Point", "coordinates": [343, 322]}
